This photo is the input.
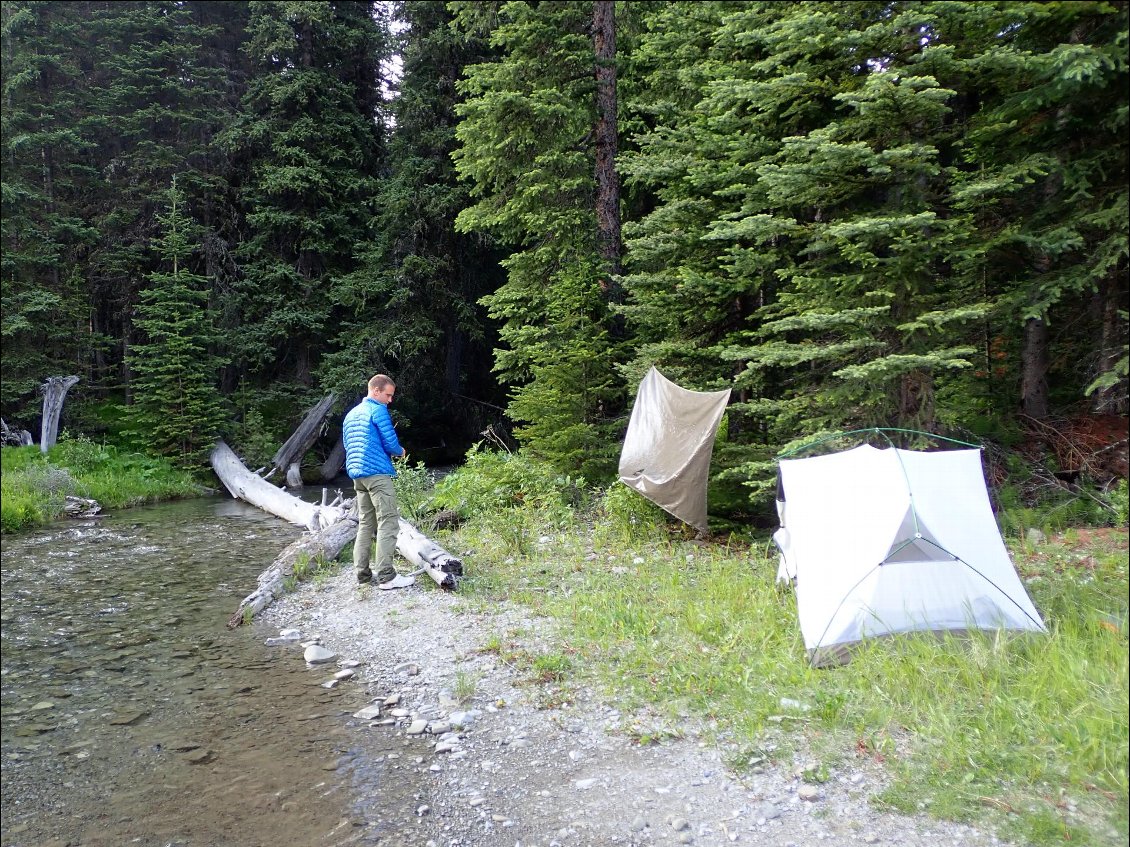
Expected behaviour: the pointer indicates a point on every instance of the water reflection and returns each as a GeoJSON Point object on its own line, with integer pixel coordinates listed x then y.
{"type": "Point", "coordinates": [130, 714]}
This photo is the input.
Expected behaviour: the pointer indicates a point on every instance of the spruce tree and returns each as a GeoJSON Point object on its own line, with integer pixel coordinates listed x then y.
{"type": "Point", "coordinates": [526, 146]}
{"type": "Point", "coordinates": [176, 409]}
{"type": "Point", "coordinates": [308, 147]}
{"type": "Point", "coordinates": [416, 272]}
{"type": "Point", "coordinates": [42, 231]}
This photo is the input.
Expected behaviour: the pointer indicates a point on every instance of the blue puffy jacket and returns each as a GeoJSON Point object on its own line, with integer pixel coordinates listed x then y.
{"type": "Point", "coordinates": [369, 440]}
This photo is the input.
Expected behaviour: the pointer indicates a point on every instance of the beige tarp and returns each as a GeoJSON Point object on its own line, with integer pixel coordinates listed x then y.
{"type": "Point", "coordinates": [666, 455]}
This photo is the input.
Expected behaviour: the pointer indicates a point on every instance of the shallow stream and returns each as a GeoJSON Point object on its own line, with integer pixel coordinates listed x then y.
{"type": "Point", "coordinates": [132, 715]}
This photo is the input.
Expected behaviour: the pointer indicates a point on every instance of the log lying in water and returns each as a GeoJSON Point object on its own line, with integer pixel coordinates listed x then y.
{"type": "Point", "coordinates": [331, 528]}
{"type": "Point", "coordinates": [243, 484]}
{"type": "Point", "coordinates": [325, 544]}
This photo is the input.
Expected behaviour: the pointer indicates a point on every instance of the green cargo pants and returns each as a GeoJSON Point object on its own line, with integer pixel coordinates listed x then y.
{"type": "Point", "coordinates": [376, 506]}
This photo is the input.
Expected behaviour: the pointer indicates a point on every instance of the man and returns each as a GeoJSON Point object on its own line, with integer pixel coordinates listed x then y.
{"type": "Point", "coordinates": [370, 443]}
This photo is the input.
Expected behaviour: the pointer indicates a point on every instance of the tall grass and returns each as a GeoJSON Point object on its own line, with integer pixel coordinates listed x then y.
{"type": "Point", "coordinates": [34, 487]}
{"type": "Point", "coordinates": [1024, 733]}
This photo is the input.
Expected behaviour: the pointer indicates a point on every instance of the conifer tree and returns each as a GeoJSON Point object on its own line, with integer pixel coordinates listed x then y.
{"type": "Point", "coordinates": [410, 308]}
{"type": "Point", "coordinates": [309, 146]}
{"type": "Point", "coordinates": [526, 146]}
{"type": "Point", "coordinates": [177, 409]}
{"type": "Point", "coordinates": [43, 235]}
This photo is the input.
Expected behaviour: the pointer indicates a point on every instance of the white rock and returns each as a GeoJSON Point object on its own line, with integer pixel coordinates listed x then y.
{"type": "Point", "coordinates": [316, 654]}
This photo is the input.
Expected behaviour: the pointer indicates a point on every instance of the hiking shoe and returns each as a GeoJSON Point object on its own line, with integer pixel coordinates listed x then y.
{"type": "Point", "coordinates": [398, 581]}
{"type": "Point", "coordinates": [364, 577]}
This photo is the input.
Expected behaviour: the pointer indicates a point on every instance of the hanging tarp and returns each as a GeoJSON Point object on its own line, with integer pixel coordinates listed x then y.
{"type": "Point", "coordinates": [666, 455]}
{"type": "Point", "coordinates": [883, 542]}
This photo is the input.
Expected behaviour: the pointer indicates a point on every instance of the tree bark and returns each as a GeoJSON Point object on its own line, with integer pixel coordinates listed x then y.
{"type": "Point", "coordinates": [300, 440]}
{"type": "Point", "coordinates": [333, 464]}
{"type": "Point", "coordinates": [1034, 370]}
{"type": "Point", "coordinates": [245, 485]}
{"type": "Point", "coordinates": [15, 437]}
{"type": "Point", "coordinates": [325, 544]}
{"type": "Point", "coordinates": [54, 392]}
{"type": "Point", "coordinates": [607, 180]}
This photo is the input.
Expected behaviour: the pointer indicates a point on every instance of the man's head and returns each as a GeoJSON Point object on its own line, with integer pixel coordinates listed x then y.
{"type": "Point", "coordinates": [382, 389]}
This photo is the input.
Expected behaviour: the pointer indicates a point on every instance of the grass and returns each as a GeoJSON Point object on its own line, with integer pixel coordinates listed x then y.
{"type": "Point", "coordinates": [34, 487]}
{"type": "Point", "coordinates": [1025, 734]}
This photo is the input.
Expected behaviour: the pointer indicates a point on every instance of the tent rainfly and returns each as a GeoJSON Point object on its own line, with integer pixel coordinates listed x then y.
{"type": "Point", "coordinates": [888, 541]}
{"type": "Point", "coordinates": [666, 453]}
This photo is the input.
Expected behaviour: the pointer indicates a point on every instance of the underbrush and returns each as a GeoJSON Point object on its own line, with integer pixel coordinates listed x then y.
{"type": "Point", "coordinates": [1026, 734]}
{"type": "Point", "coordinates": [34, 486]}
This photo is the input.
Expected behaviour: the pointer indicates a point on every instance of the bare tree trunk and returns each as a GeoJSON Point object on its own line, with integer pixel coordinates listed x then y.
{"type": "Point", "coordinates": [607, 180]}
{"type": "Point", "coordinates": [300, 440]}
{"type": "Point", "coordinates": [54, 392]}
{"type": "Point", "coordinates": [333, 464]}
{"type": "Point", "coordinates": [1113, 399]}
{"type": "Point", "coordinates": [1034, 370]}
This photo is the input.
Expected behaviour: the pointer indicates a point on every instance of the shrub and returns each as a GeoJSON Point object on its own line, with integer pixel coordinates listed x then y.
{"type": "Point", "coordinates": [489, 482]}
{"type": "Point", "coordinates": [628, 516]}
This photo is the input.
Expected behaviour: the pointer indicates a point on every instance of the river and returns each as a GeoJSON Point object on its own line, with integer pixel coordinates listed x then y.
{"type": "Point", "coordinates": [131, 715]}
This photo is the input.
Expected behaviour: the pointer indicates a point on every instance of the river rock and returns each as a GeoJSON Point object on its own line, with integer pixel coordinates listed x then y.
{"type": "Point", "coordinates": [316, 654]}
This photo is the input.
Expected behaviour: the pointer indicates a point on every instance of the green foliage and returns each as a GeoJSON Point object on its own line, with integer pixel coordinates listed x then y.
{"type": "Point", "coordinates": [176, 404]}
{"type": "Point", "coordinates": [1054, 511]}
{"type": "Point", "coordinates": [497, 482]}
{"type": "Point", "coordinates": [628, 517]}
{"type": "Point", "coordinates": [254, 442]}
{"type": "Point", "coordinates": [413, 485]}
{"type": "Point", "coordinates": [34, 486]}
{"type": "Point", "coordinates": [421, 276]}
{"type": "Point", "coordinates": [1119, 498]}
{"type": "Point", "coordinates": [525, 147]}
{"type": "Point", "coordinates": [850, 213]}
{"type": "Point", "coordinates": [308, 138]}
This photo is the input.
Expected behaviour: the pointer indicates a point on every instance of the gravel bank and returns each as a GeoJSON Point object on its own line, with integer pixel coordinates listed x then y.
{"type": "Point", "coordinates": [493, 765]}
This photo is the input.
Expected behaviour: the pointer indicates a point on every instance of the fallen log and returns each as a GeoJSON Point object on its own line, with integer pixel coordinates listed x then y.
{"type": "Point", "coordinates": [428, 556]}
{"type": "Point", "coordinates": [333, 464]}
{"type": "Point", "coordinates": [325, 544]}
{"type": "Point", "coordinates": [289, 456]}
{"type": "Point", "coordinates": [242, 484]}
{"type": "Point", "coordinates": [331, 526]}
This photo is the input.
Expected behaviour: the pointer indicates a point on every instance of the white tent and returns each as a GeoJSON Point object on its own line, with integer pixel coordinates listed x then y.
{"type": "Point", "coordinates": [889, 541]}
{"type": "Point", "coordinates": [666, 453]}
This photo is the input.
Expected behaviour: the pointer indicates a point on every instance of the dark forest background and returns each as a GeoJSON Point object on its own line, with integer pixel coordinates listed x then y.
{"type": "Point", "coordinates": [853, 214]}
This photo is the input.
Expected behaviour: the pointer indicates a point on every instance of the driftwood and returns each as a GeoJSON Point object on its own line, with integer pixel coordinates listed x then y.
{"type": "Point", "coordinates": [54, 392]}
{"type": "Point", "coordinates": [333, 464]}
{"type": "Point", "coordinates": [325, 544]}
{"type": "Point", "coordinates": [331, 527]}
{"type": "Point", "coordinates": [242, 484]}
{"type": "Point", "coordinates": [15, 437]}
{"type": "Point", "coordinates": [81, 507]}
{"type": "Point", "coordinates": [427, 556]}
{"type": "Point", "coordinates": [289, 456]}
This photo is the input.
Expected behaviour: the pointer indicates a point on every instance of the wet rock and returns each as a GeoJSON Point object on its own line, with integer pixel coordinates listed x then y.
{"type": "Point", "coordinates": [127, 718]}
